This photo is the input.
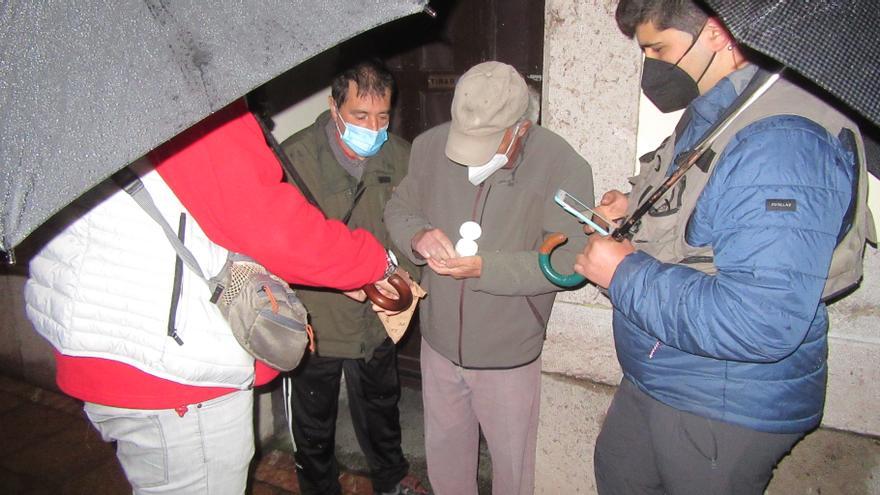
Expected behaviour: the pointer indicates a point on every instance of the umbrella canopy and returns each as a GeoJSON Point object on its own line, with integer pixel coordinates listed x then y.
{"type": "Point", "coordinates": [87, 87]}
{"type": "Point", "coordinates": [834, 43]}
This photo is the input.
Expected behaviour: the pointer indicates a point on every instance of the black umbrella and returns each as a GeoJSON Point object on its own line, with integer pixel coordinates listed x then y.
{"type": "Point", "coordinates": [834, 43]}
{"type": "Point", "coordinates": [88, 86]}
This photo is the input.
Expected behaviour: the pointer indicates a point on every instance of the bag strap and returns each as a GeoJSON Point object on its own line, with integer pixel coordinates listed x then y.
{"type": "Point", "coordinates": [287, 164]}
{"type": "Point", "coordinates": [297, 179]}
{"type": "Point", "coordinates": [132, 184]}
{"type": "Point", "coordinates": [359, 192]}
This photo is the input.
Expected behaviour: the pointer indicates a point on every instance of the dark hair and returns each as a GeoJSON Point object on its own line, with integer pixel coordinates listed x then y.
{"type": "Point", "coordinates": [683, 15]}
{"type": "Point", "coordinates": [371, 77]}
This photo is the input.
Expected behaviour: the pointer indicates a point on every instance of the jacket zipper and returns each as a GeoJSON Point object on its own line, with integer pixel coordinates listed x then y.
{"type": "Point", "coordinates": [463, 281]}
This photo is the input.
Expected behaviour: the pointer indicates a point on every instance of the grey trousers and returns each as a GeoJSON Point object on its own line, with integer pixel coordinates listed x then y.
{"type": "Point", "coordinates": [207, 450]}
{"type": "Point", "coordinates": [647, 447]}
{"type": "Point", "coordinates": [459, 403]}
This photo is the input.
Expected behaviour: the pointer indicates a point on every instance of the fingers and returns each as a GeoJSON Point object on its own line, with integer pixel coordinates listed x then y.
{"type": "Point", "coordinates": [434, 244]}
{"type": "Point", "coordinates": [438, 266]}
{"type": "Point", "coordinates": [613, 205]}
{"type": "Point", "coordinates": [357, 295]}
{"type": "Point", "coordinates": [423, 242]}
{"type": "Point", "coordinates": [607, 198]}
{"type": "Point", "coordinates": [387, 312]}
{"type": "Point", "coordinates": [441, 248]}
{"type": "Point", "coordinates": [441, 267]}
{"type": "Point", "coordinates": [447, 247]}
{"type": "Point", "coordinates": [454, 263]}
{"type": "Point", "coordinates": [600, 259]}
{"type": "Point", "coordinates": [387, 289]}
{"type": "Point", "coordinates": [601, 222]}
{"type": "Point", "coordinates": [404, 275]}
{"type": "Point", "coordinates": [459, 268]}
{"type": "Point", "coordinates": [607, 214]}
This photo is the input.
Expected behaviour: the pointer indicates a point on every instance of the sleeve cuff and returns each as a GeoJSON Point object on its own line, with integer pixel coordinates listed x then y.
{"type": "Point", "coordinates": [631, 264]}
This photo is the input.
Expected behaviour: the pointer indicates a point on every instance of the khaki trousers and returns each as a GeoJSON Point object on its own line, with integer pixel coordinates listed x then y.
{"type": "Point", "coordinates": [207, 450]}
{"type": "Point", "coordinates": [460, 402]}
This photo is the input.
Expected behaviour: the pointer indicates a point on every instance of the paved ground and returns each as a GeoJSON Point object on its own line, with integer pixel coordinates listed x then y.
{"type": "Point", "coordinates": [49, 447]}
{"type": "Point", "coordinates": [349, 455]}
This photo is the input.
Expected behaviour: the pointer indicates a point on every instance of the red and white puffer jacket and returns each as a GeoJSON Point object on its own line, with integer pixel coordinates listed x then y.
{"type": "Point", "coordinates": [103, 288]}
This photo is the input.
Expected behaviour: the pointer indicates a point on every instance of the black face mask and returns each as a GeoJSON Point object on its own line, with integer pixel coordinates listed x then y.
{"type": "Point", "coordinates": [667, 85]}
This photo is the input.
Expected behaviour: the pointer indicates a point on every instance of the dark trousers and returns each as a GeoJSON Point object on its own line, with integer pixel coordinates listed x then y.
{"type": "Point", "coordinates": [647, 447]}
{"type": "Point", "coordinates": [373, 392]}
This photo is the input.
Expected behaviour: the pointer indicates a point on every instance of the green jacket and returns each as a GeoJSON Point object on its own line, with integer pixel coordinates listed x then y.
{"type": "Point", "coordinates": [343, 327]}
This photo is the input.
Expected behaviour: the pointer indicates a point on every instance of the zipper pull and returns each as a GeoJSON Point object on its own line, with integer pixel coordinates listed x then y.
{"type": "Point", "coordinates": [654, 349]}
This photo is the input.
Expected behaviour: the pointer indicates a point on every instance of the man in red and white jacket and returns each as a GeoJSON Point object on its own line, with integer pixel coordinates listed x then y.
{"type": "Point", "coordinates": [167, 382]}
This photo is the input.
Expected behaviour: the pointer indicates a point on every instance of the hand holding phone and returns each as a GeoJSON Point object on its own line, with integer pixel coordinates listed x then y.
{"type": "Point", "coordinates": [583, 212]}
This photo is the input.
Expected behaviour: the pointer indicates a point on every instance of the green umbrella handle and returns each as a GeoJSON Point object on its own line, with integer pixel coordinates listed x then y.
{"type": "Point", "coordinates": [552, 275]}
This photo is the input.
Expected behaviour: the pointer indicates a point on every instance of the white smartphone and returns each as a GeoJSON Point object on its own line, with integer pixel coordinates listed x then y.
{"type": "Point", "coordinates": [583, 212]}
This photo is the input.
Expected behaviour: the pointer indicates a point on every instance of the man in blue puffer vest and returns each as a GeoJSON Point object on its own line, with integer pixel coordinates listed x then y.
{"type": "Point", "coordinates": [719, 321]}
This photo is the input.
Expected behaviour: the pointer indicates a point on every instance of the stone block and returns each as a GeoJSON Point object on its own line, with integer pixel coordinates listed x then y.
{"type": "Point", "coordinates": [572, 412]}
{"type": "Point", "coordinates": [591, 94]}
{"type": "Point", "coordinates": [580, 344]}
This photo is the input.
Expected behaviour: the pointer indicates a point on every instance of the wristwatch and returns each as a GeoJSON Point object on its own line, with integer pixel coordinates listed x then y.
{"type": "Point", "coordinates": [392, 263]}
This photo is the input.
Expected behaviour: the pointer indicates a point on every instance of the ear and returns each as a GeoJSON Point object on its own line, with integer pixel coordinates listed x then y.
{"type": "Point", "coordinates": [332, 105]}
{"type": "Point", "coordinates": [716, 36]}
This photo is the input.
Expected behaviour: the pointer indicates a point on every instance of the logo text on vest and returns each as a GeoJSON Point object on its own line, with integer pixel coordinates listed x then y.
{"type": "Point", "coordinates": [781, 205]}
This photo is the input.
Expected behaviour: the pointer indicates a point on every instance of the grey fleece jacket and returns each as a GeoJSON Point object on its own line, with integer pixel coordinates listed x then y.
{"type": "Point", "coordinates": [498, 320]}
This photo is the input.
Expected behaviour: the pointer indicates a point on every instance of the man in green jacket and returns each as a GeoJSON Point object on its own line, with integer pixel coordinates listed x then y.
{"type": "Point", "coordinates": [351, 165]}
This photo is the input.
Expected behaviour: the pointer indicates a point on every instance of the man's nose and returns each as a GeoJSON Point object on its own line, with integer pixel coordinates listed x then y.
{"type": "Point", "coordinates": [373, 122]}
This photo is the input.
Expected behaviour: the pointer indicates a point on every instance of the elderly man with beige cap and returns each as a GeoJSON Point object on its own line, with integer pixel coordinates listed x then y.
{"type": "Point", "coordinates": [475, 206]}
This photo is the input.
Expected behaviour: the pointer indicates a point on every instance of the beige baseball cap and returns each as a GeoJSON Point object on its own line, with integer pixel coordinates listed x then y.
{"type": "Point", "coordinates": [489, 98]}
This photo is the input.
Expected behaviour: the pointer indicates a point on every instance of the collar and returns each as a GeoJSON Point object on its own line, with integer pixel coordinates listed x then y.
{"type": "Point", "coordinates": [336, 142]}
{"type": "Point", "coordinates": [707, 108]}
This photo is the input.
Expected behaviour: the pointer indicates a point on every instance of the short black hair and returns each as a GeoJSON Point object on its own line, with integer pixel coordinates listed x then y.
{"type": "Point", "coordinates": [371, 77]}
{"type": "Point", "coordinates": [683, 15]}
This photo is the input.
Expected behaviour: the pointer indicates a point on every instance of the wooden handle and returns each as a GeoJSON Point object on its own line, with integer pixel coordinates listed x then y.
{"type": "Point", "coordinates": [404, 294]}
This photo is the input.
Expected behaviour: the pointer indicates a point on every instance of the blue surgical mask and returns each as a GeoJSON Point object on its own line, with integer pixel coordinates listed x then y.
{"type": "Point", "coordinates": [364, 142]}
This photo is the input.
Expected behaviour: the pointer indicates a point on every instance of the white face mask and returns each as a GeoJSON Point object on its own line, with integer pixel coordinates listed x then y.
{"type": "Point", "coordinates": [478, 174]}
